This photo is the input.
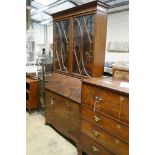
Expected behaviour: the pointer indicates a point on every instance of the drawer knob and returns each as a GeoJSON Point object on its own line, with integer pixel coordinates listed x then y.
{"type": "Point", "coordinates": [96, 133]}
{"type": "Point", "coordinates": [97, 119]}
{"type": "Point", "coordinates": [118, 126]}
{"type": "Point", "coordinates": [116, 141]}
{"type": "Point", "coordinates": [98, 99]}
{"type": "Point", "coordinates": [95, 149]}
{"type": "Point", "coordinates": [121, 98]}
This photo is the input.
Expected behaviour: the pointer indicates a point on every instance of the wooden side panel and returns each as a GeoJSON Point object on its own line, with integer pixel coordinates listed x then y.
{"type": "Point", "coordinates": [100, 43]}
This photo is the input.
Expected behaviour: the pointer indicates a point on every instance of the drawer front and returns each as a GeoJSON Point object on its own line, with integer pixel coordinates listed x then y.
{"type": "Point", "coordinates": [64, 107]}
{"type": "Point", "coordinates": [92, 146]}
{"type": "Point", "coordinates": [106, 101]}
{"type": "Point", "coordinates": [106, 123]}
{"type": "Point", "coordinates": [74, 132]}
{"type": "Point", "coordinates": [111, 142]}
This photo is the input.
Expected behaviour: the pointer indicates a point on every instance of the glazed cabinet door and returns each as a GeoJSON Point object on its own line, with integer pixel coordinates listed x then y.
{"type": "Point", "coordinates": [61, 45]}
{"type": "Point", "coordinates": [82, 45]}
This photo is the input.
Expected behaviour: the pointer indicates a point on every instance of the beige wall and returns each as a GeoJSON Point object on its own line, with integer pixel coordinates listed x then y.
{"type": "Point", "coordinates": [117, 30]}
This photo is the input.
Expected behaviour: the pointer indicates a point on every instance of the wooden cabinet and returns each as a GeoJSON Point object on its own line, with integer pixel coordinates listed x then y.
{"type": "Point", "coordinates": [105, 114]}
{"type": "Point", "coordinates": [32, 93]}
{"type": "Point", "coordinates": [79, 39]}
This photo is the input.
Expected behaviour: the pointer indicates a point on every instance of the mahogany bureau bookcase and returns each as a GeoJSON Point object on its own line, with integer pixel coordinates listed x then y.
{"type": "Point", "coordinates": [79, 39]}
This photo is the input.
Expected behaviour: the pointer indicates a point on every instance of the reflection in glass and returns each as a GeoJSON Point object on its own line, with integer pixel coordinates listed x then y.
{"type": "Point", "coordinates": [83, 35]}
{"type": "Point", "coordinates": [61, 42]}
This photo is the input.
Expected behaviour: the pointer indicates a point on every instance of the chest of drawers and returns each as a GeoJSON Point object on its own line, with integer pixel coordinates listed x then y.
{"type": "Point", "coordinates": [105, 114]}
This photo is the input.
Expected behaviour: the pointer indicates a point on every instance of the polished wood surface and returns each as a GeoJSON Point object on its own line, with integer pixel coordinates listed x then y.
{"type": "Point", "coordinates": [110, 83]}
{"type": "Point", "coordinates": [32, 93]}
{"type": "Point", "coordinates": [80, 39]}
{"type": "Point", "coordinates": [66, 86]}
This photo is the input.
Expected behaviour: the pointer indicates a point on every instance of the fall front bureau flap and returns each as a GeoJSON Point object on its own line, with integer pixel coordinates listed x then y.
{"type": "Point", "coordinates": [66, 86]}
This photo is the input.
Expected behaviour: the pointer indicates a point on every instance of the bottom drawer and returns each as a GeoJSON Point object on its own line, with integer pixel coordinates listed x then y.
{"type": "Point", "coordinates": [93, 147]}
{"type": "Point", "coordinates": [63, 125]}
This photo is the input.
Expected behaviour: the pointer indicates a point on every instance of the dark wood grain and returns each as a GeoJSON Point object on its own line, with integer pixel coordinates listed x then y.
{"type": "Point", "coordinates": [66, 86]}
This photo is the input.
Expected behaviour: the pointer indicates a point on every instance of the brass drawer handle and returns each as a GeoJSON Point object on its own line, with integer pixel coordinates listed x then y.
{"type": "Point", "coordinates": [118, 126]}
{"type": "Point", "coordinates": [98, 99]}
{"type": "Point", "coordinates": [95, 149]}
{"type": "Point", "coordinates": [52, 100]}
{"type": "Point", "coordinates": [121, 98]}
{"type": "Point", "coordinates": [96, 133]}
{"type": "Point", "coordinates": [68, 105]}
{"type": "Point", "coordinates": [97, 119]}
{"type": "Point", "coordinates": [67, 115]}
{"type": "Point", "coordinates": [117, 141]}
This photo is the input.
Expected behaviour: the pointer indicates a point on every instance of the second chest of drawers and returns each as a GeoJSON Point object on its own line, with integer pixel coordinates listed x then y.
{"type": "Point", "coordinates": [105, 114]}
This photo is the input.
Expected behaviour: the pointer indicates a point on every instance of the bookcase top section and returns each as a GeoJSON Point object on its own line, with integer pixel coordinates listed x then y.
{"type": "Point", "coordinates": [92, 6]}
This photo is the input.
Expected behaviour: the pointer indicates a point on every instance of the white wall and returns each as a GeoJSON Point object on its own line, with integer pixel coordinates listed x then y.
{"type": "Point", "coordinates": [117, 30]}
{"type": "Point", "coordinates": [50, 34]}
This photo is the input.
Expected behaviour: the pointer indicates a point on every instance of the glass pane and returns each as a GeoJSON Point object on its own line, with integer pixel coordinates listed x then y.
{"type": "Point", "coordinates": [83, 36]}
{"type": "Point", "coordinates": [61, 42]}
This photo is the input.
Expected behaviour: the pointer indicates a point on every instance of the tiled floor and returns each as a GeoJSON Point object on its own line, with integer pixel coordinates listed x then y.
{"type": "Point", "coordinates": [43, 140]}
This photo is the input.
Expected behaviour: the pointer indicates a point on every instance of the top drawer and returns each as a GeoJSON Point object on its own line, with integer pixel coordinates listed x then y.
{"type": "Point", "coordinates": [113, 103]}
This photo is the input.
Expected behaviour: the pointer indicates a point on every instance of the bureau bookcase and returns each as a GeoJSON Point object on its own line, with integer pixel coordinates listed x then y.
{"type": "Point", "coordinates": [90, 110]}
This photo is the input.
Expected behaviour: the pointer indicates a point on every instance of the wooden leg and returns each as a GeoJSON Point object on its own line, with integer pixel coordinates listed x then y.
{"type": "Point", "coordinates": [79, 149]}
{"type": "Point", "coordinates": [79, 152]}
